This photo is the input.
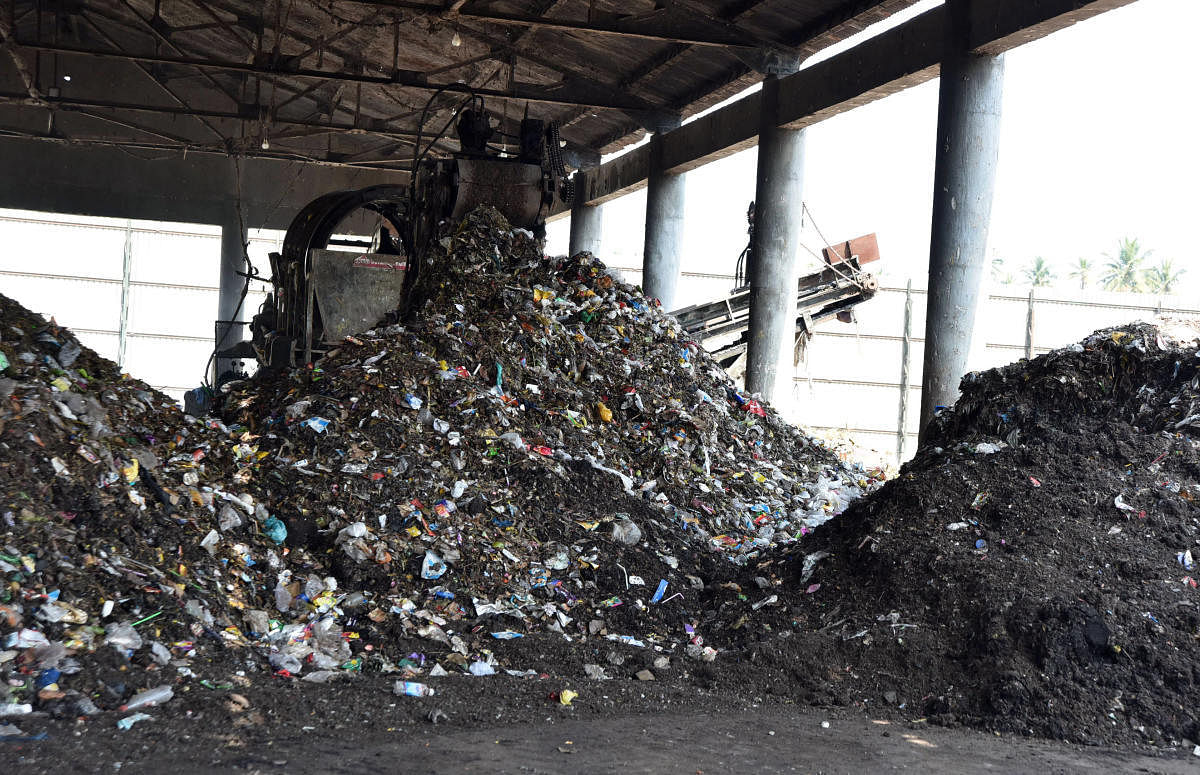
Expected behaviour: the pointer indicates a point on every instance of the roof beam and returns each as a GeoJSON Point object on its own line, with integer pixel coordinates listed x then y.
{"type": "Point", "coordinates": [675, 32]}
{"type": "Point", "coordinates": [408, 79]}
{"type": "Point", "coordinates": [807, 41]}
{"type": "Point", "coordinates": [88, 177]}
{"type": "Point", "coordinates": [8, 134]}
{"type": "Point", "coordinates": [161, 32]}
{"type": "Point", "coordinates": [365, 126]}
{"type": "Point", "coordinates": [159, 84]}
{"type": "Point", "coordinates": [895, 60]}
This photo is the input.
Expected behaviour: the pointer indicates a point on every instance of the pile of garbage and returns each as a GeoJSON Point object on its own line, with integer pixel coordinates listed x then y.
{"type": "Point", "coordinates": [1033, 569]}
{"type": "Point", "coordinates": [98, 545]}
{"type": "Point", "coordinates": [537, 449]}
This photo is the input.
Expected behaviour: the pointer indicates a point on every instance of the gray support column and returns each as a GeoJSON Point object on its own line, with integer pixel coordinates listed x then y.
{"type": "Point", "coordinates": [664, 229]}
{"type": "Point", "coordinates": [233, 260]}
{"type": "Point", "coordinates": [968, 145]}
{"type": "Point", "coordinates": [586, 222]}
{"type": "Point", "coordinates": [772, 270]}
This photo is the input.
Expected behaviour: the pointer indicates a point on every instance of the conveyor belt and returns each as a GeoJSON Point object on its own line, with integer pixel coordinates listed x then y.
{"type": "Point", "coordinates": [721, 325]}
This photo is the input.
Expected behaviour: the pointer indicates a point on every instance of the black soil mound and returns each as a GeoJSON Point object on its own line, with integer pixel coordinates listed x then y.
{"type": "Point", "coordinates": [1031, 570]}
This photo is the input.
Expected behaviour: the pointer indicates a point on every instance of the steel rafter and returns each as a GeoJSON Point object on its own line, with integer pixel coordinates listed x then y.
{"type": "Point", "coordinates": [727, 38]}
{"type": "Point", "coordinates": [409, 79]}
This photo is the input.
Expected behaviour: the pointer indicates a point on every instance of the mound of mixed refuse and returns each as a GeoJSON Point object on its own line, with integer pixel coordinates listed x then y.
{"type": "Point", "coordinates": [1032, 570]}
{"type": "Point", "coordinates": [538, 472]}
{"type": "Point", "coordinates": [537, 451]}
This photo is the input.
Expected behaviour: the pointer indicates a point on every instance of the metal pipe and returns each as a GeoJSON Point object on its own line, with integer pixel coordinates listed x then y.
{"type": "Point", "coordinates": [777, 214]}
{"type": "Point", "coordinates": [233, 260]}
{"type": "Point", "coordinates": [663, 253]}
{"type": "Point", "coordinates": [74, 103]}
{"type": "Point", "coordinates": [968, 146]}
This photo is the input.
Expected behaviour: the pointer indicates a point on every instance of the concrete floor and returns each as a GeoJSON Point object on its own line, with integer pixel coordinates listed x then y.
{"type": "Point", "coordinates": [700, 744]}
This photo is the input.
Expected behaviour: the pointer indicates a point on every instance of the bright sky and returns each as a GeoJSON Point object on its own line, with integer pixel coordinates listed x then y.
{"type": "Point", "coordinates": [1098, 142]}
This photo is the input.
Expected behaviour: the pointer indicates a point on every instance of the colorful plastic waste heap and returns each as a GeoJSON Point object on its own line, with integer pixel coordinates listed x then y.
{"type": "Point", "coordinates": [537, 474]}
{"type": "Point", "coordinates": [538, 450]}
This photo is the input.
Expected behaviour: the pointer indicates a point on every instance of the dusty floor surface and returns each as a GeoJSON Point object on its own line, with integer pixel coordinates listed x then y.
{"type": "Point", "coordinates": [511, 725]}
{"type": "Point", "coordinates": [760, 741]}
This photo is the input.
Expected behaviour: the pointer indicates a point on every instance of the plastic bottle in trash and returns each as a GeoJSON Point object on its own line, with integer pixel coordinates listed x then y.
{"type": "Point", "coordinates": [15, 709]}
{"type": "Point", "coordinates": [156, 696]}
{"type": "Point", "coordinates": [283, 598]}
{"type": "Point", "coordinates": [413, 689]}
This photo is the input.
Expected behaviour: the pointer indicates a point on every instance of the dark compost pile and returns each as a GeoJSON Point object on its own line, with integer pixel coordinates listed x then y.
{"type": "Point", "coordinates": [1032, 569]}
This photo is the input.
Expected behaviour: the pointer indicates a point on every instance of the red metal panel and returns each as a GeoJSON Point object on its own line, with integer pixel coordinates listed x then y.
{"type": "Point", "coordinates": [865, 247]}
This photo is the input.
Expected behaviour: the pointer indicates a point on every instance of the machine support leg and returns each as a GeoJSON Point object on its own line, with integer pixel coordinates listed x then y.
{"type": "Point", "coordinates": [233, 260]}
{"type": "Point", "coordinates": [772, 270]}
{"type": "Point", "coordinates": [1029, 328]}
{"type": "Point", "coordinates": [664, 230]}
{"type": "Point", "coordinates": [587, 223]}
{"type": "Point", "coordinates": [126, 271]}
{"type": "Point", "coordinates": [968, 145]}
{"type": "Point", "coordinates": [905, 376]}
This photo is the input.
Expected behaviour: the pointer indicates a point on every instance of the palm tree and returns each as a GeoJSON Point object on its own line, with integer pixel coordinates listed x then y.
{"type": "Point", "coordinates": [1123, 271]}
{"type": "Point", "coordinates": [1082, 272]}
{"type": "Point", "coordinates": [1038, 273]}
{"type": "Point", "coordinates": [1161, 279]}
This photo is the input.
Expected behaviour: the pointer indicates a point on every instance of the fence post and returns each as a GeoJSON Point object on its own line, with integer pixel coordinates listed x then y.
{"type": "Point", "coordinates": [901, 438]}
{"type": "Point", "coordinates": [1029, 329]}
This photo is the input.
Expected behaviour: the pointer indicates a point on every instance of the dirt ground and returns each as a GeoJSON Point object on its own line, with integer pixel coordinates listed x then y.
{"type": "Point", "coordinates": [503, 724]}
{"type": "Point", "coordinates": [764, 739]}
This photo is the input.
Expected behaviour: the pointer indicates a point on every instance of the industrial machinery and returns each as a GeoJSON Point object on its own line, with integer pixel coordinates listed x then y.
{"type": "Point", "coordinates": [327, 285]}
{"type": "Point", "coordinates": [831, 291]}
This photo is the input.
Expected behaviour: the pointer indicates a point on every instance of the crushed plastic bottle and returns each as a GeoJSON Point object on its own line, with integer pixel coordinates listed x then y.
{"type": "Point", "coordinates": [412, 689]}
{"type": "Point", "coordinates": [156, 696]}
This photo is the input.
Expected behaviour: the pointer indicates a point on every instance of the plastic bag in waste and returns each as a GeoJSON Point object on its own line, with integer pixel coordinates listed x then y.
{"type": "Point", "coordinates": [625, 531]}
{"type": "Point", "coordinates": [122, 636]}
{"type": "Point", "coordinates": [432, 567]}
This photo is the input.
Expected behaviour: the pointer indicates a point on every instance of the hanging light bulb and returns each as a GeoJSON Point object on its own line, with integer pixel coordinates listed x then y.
{"type": "Point", "coordinates": [266, 144]}
{"type": "Point", "coordinates": [456, 41]}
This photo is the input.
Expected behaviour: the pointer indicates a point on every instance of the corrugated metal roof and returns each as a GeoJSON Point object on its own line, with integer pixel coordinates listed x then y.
{"type": "Point", "coordinates": [347, 81]}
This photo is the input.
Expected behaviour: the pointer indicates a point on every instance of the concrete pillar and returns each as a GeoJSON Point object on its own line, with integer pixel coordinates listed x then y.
{"type": "Point", "coordinates": [664, 229]}
{"type": "Point", "coordinates": [968, 146]}
{"type": "Point", "coordinates": [586, 222]}
{"type": "Point", "coordinates": [772, 270]}
{"type": "Point", "coordinates": [233, 260]}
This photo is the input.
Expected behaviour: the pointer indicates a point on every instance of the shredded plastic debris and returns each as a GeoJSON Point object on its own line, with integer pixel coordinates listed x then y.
{"type": "Point", "coordinates": [502, 464]}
